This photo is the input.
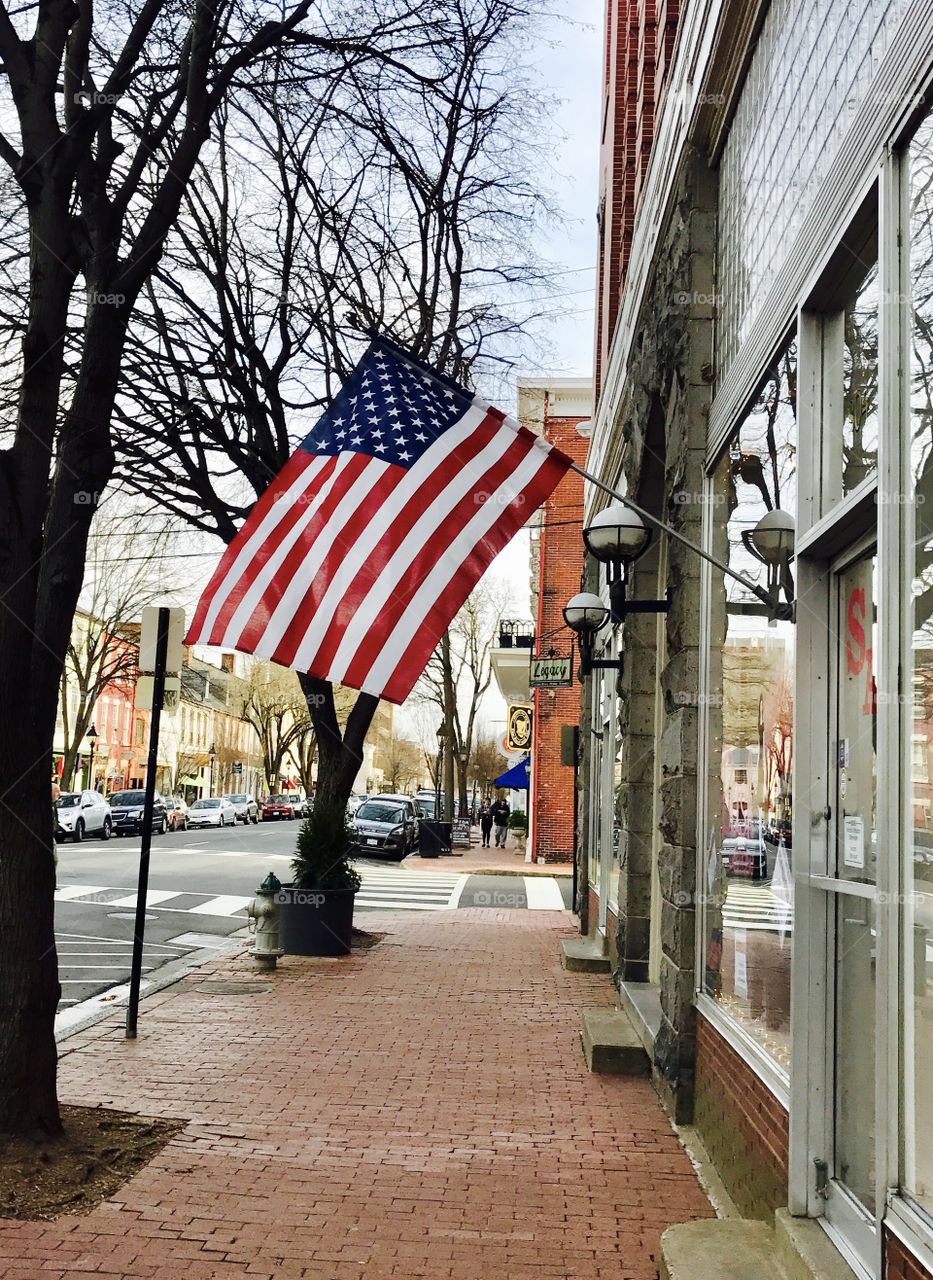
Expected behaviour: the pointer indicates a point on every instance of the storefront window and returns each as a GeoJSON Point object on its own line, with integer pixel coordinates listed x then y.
{"type": "Point", "coordinates": [747, 886]}
{"type": "Point", "coordinates": [918, 968]}
{"type": "Point", "coordinates": [859, 451]}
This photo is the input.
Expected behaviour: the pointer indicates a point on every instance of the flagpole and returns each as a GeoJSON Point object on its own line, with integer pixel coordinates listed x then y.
{"type": "Point", "coordinates": [753, 587]}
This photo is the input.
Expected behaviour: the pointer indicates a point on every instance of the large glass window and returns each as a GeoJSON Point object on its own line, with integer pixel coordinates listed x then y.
{"type": "Point", "coordinates": [918, 968]}
{"type": "Point", "coordinates": [747, 886]}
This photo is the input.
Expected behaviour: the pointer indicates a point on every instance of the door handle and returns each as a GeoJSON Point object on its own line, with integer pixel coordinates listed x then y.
{"type": "Point", "coordinates": [821, 815]}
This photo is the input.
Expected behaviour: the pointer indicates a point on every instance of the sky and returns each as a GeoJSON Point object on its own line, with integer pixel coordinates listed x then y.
{"type": "Point", "coordinates": [573, 70]}
{"type": "Point", "coordinates": [568, 65]}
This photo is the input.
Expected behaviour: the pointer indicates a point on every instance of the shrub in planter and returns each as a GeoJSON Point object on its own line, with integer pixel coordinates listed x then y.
{"type": "Point", "coordinates": [518, 826]}
{"type": "Point", "coordinates": [316, 909]}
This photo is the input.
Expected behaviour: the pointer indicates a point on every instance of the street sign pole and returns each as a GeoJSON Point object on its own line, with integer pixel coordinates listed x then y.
{"type": "Point", "coordinates": [139, 929]}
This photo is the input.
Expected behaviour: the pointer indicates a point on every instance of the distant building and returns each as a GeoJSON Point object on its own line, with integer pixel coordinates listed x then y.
{"type": "Point", "coordinates": [560, 410]}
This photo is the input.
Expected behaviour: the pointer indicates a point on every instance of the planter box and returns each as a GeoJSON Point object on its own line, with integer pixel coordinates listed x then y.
{"type": "Point", "coordinates": [315, 922]}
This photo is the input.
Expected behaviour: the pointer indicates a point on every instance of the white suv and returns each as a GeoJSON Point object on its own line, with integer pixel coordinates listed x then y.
{"type": "Point", "coordinates": [82, 813]}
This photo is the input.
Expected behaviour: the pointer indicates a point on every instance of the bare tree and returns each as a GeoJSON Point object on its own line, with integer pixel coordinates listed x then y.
{"type": "Point", "coordinates": [273, 705]}
{"type": "Point", "coordinates": [105, 117]}
{"type": "Point", "coordinates": [486, 762]}
{"type": "Point", "coordinates": [408, 201]}
{"type": "Point", "coordinates": [123, 575]}
{"type": "Point", "coordinates": [460, 673]}
{"type": "Point", "coordinates": [401, 763]}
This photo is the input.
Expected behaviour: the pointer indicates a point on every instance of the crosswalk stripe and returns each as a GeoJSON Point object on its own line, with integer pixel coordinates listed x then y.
{"type": "Point", "coordinates": [153, 897]}
{"type": "Point", "coordinates": [543, 893]}
{"type": "Point", "coordinates": [225, 905]}
{"type": "Point", "coordinates": [71, 891]}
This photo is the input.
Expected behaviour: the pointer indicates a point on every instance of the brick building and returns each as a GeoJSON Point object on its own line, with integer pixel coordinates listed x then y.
{"type": "Point", "coordinates": [754, 846]}
{"type": "Point", "coordinates": [556, 408]}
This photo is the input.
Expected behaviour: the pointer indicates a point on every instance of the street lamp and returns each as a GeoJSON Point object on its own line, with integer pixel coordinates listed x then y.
{"type": "Point", "coordinates": [616, 537]}
{"type": "Point", "coordinates": [92, 737]}
{"type": "Point", "coordinates": [441, 745]}
{"type": "Point", "coordinates": [771, 542]}
{"type": "Point", "coordinates": [212, 755]}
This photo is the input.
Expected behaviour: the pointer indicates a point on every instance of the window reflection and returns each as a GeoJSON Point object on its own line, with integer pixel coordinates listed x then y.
{"type": "Point", "coordinates": [748, 885]}
{"type": "Point", "coordinates": [918, 872]}
{"type": "Point", "coordinates": [860, 384]}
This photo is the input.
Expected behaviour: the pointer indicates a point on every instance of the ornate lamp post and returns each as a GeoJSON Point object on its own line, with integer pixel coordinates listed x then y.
{"type": "Point", "coordinates": [92, 737]}
{"type": "Point", "coordinates": [212, 755]}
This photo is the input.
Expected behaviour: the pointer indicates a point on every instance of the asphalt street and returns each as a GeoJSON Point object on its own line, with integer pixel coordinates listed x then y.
{"type": "Point", "coordinates": [199, 885]}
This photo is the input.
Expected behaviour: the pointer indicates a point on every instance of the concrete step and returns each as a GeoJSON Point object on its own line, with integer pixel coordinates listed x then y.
{"type": "Point", "coordinates": [747, 1249]}
{"type": "Point", "coordinates": [719, 1249]}
{"type": "Point", "coordinates": [583, 955]}
{"type": "Point", "coordinates": [805, 1251]}
{"type": "Point", "coordinates": [611, 1045]}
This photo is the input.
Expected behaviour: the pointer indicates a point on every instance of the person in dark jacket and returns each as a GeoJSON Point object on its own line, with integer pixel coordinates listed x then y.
{"type": "Point", "coordinates": [485, 823]}
{"type": "Point", "coordinates": [500, 817]}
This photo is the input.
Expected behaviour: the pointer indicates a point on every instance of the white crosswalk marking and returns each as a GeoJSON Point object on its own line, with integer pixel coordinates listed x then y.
{"type": "Point", "coordinates": [69, 891]}
{"type": "Point", "coordinates": [393, 890]}
{"type": "Point", "coordinates": [750, 906]}
{"type": "Point", "coordinates": [225, 905]}
{"type": "Point", "coordinates": [153, 898]}
{"type": "Point", "coordinates": [543, 893]}
{"type": "Point", "coordinates": [410, 890]}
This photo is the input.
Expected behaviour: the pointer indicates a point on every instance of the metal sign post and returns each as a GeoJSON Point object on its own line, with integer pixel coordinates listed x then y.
{"type": "Point", "coordinates": [139, 928]}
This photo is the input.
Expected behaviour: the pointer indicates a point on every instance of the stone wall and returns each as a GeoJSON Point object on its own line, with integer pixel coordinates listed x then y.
{"type": "Point", "coordinates": [662, 421]}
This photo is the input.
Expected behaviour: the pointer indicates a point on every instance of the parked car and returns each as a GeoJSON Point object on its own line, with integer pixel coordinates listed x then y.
{"type": "Point", "coordinates": [275, 807]}
{"type": "Point", "coordinates": [245, 808]}
{"type": "Point", "coordinates": [297, 806]}
{"type": "Point", "coordinates": [411, 806]}
{"type": "Point", "coordinates": [82, 813]}
{"type": "Point", "coordinates": [384, 826]}
{"type": "Point", "coordinates": [354, 803]}
{"type": "Point", "coordinates": [215, 811]}
{"type": "Point", "coordinates": [126, 808]}
{"type": "Point", "coordinates": [176, 811]}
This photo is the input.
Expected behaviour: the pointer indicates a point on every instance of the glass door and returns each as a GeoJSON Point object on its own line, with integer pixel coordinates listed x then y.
{"type": "Point", "coordinates": [847, 1176]}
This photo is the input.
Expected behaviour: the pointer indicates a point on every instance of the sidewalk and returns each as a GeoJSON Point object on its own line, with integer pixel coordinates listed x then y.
{"type": "Point", "coordinates": [477, 859]}
{"type": "Point", "coordinates": [419, 1110]}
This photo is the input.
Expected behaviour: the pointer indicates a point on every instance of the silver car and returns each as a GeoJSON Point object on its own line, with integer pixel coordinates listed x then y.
{"type": "Point", "coordinates": [82, 813]}
{"type": "Point", "coordinates": [245, 807]}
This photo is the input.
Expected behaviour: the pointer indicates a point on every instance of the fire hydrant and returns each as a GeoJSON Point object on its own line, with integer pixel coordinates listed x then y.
{"type": "Point", "coordinates": [263, 914]}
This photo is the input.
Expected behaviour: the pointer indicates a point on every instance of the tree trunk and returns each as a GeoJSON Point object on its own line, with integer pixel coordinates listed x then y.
{"type": "Point", "coordinates": [464, 796]}
{"type": "Point", "coordinates": [339, 756]}
{"type": "Point", "coordinates": [29, 986]}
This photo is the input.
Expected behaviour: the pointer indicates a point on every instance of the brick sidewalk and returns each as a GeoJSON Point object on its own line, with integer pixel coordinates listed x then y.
{"type": "Point", "coordinates": [480, 860]}
{"type": "Point", "coordinates": [421, 1109]}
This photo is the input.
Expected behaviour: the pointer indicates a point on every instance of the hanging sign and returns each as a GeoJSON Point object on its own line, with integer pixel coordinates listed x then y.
{"type": "Point", "coordinates": [518, 733]}
{"type": "Point", "coordinates": [551, 673]}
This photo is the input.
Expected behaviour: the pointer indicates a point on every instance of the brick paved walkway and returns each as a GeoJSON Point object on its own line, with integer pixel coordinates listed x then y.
{"type": "Point", "coordinates": [418, 1110]}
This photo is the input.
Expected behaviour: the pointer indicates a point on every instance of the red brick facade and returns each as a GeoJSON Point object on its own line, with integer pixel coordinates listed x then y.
{"type": "Point", "coordinates": [639, 40]}
{"type": "Point", "coordinates": [560, 552]}
{"type": "Point", "coordinates": [900, 1263]}
{"type": "Point", "coordinates": [743, 1125]}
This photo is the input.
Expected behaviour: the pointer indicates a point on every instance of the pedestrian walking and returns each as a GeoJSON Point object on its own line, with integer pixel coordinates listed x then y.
{"type": "Point", "coordinates": [500, 817]}
{"type": "Point", "coordinates": [485, 823]}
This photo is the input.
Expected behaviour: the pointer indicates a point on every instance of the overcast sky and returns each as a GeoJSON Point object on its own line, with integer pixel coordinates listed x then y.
{"type": "Point", "coordinates": [568, 64]}
{"type": "Point", "coordinates": [572, 68]}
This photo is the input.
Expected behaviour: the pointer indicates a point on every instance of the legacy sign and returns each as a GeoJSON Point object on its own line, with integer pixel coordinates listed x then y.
{"type": "Point", "coordinates": [551, 673]}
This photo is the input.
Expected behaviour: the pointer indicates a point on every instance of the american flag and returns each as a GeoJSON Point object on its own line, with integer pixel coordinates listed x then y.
{"type": "Point", "coordinates": [357, 557]}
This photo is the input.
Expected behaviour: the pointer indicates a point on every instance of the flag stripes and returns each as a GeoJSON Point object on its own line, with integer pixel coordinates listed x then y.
{"type": "Point", "coordinates": [353, 563]}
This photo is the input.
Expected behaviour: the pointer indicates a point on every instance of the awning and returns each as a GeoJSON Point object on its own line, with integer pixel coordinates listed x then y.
{"type": "Point", "coordinates": [188, 781]}
{"type": "Point", "coordinates": [516, 777]}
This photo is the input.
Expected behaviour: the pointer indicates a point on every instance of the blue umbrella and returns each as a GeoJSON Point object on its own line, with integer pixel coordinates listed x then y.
{"type": "Point", "coordinates": [516, 777]}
